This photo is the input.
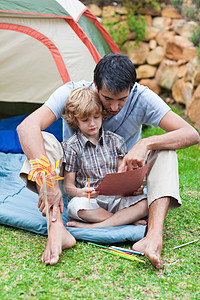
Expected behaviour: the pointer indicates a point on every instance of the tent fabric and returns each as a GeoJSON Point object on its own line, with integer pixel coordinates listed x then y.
{"type": "Point", "coordinates": [9, 140]}
{"type": "Point", "coordinates": [45, 43]}
{"type": "Point", "coordinates": [32, 78]}
{"type": "Point", "coordinates": [75, 8]}
{"type": "Point", "coordinates": [39, 7]}
{"type": "Point", "coordinates": [94, 35]}
{"type": "Point", "coordinates": [18, 208]}
{"type": "Point", "coordinates": [22, 84]}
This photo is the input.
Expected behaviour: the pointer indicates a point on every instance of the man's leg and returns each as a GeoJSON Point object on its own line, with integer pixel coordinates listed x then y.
{"type": "Point", "coordinates": [151, 244]}
{"type": "Point", "coordinates": [124, 216]}
{"type": "Point", "coordinates": [54, 152]}
{"type": "Point", "coordinates": [162, 194]}
{"type": "Point", "coordinates": [58, 239]}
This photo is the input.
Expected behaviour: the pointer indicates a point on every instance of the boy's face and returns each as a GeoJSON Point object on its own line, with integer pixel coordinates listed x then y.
{"type": "Point", "coordinates": [90, 126]}
{"type": "Point", "coordinates": [113, 103]}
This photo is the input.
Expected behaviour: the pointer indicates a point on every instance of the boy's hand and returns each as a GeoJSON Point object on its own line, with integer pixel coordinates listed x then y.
{"type": "Point", "coordinates": [84, 192]}
{"type": "Point", "coordinates": [94, 194]}
{"type": "Point", "coordinates": [139, 191]}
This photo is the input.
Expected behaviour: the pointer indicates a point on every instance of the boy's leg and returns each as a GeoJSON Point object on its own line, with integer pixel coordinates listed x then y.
{"type": "Point", "coordinates": [124, 216]}
{"type": "Point", "coordinates": [80, 209]}
{"type": "Point", "coordinates": [94, 215]}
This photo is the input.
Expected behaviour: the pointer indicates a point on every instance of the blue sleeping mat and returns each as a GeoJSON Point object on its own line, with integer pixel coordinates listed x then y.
{"type": "Point", "coordinates": [9, 141]}
{"type": "Point", "coordinates": [18, 205]}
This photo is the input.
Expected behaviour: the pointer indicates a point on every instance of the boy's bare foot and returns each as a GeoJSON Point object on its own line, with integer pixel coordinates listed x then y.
{"type": "Point", "coordinates": [58, 239]}
{"type": "Point", "coordinates": [140, 222]}
{"type": "Point", "coordinates": [94, 225]}
{"type": "Point", "coordinates": [79, 224]}
{"type": "Point", "coordinates": [152, 248]}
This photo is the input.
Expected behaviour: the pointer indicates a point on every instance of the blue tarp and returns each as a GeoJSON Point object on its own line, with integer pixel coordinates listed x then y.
{"type": "Point", "coordinates": [18, 205]}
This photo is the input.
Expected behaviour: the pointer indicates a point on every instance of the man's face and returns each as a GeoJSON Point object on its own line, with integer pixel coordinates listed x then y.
{"type": "Point", "coordinates": [113, 103]}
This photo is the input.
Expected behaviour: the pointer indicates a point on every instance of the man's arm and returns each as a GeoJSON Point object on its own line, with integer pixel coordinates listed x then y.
{"type": "Point", "coordinates": [29, 131]}
{"type": "Point", "coordinates": [32, 143]}
{"type": "Point", "coordinates": [179, 134]}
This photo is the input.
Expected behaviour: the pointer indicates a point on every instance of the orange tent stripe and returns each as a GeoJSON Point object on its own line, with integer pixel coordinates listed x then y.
{"type": "Point", "coordinates": [44, 40]}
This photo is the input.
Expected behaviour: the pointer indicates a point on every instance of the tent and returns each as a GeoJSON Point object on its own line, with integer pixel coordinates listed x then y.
{"type": "Point", "coordinates": [43, 44]}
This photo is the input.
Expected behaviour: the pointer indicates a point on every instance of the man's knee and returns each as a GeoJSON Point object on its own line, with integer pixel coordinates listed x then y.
{"type": "Point", "coordinates": [163, 177]}
{"type": "Point", "coordinates": [162, 156]}
{"type": "Point", "coordinates": [54, 152]}
{"type": "Point", "coordinates": [52, 146]}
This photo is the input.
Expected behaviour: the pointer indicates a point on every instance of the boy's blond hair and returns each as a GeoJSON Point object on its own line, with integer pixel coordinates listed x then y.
{"type": "Point", "coordinates": [83, 102]}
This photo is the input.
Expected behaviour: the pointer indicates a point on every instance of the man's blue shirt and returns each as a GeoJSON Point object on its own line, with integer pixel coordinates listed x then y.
{"type": "Point", "coordinates": [143, 106]}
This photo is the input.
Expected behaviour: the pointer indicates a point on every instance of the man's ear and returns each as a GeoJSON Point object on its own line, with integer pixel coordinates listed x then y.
{"type": "Point", "coordinates": [95, 85]}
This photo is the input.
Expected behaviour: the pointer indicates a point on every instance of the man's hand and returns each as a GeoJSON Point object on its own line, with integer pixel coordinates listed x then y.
{"type": "Point", "coordinates": [54, 198]}
{"type": "Point", "coordinates": [134, 158]}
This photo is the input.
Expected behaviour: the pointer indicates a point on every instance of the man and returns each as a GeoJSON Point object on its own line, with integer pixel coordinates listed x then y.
{"type": "Point", "coordinates": [129, 105]}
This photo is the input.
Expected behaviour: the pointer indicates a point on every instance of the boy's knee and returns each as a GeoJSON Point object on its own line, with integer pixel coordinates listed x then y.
{"type": "Point", "coordinates": [82, 213]}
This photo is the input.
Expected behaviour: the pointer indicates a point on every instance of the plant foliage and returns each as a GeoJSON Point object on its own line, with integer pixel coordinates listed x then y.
{"type": "Point", "coordinates": [195, 39]}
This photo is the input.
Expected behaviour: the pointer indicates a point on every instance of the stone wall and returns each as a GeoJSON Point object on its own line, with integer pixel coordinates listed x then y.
{"type": "Point", "coordinates": [166, 59]}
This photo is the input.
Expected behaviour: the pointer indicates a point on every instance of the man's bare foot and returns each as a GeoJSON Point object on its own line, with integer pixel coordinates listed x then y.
{"type": "Point", "coordinates": [58, 239]}
{"type": "Point", "coordinates": [79, 224]}
{"type": "Point", "coordinates": [152, 248]}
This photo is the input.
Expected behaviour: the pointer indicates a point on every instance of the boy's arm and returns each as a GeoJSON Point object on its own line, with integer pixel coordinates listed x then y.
{"type": "Point", "coordinates": [69, 183]}
{"type": "Point", "coordinates": [72, 190]}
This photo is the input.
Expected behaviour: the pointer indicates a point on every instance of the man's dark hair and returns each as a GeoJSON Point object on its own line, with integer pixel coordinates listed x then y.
{"type": "Point", "coordinates": [115, 72]}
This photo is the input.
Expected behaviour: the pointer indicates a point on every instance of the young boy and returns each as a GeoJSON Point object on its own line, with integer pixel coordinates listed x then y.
{"type": "Point", "coordinates": [93, 152]}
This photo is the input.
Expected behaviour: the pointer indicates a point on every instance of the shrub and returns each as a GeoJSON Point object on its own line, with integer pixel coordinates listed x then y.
{"type": "Point", "coordinates": [134, 5]}
{"type": "Point", "coordinates": [119, 30]}
{"type": "Point", "coordinates": [177, 4]}
{"type": "Point", "coordinates": [137, 24]}
{"type": "Point", "coordinates": [195, 39]}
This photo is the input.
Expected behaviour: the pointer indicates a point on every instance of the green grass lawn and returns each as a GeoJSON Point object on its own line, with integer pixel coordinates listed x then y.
{"type": "Point", "coordinates": [85, 272]}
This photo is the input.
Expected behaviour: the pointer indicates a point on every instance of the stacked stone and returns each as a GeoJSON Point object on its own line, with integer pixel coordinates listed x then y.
{"type": "Point", "coordinates": [166, 59]}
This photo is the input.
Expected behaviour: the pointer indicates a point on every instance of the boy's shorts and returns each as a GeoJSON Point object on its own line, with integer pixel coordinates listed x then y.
{"type": "Point", "coordinates": [110, 203]}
